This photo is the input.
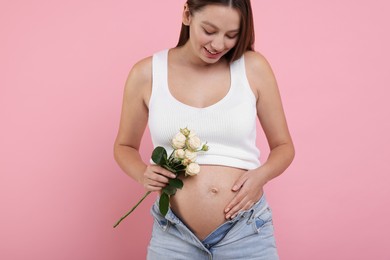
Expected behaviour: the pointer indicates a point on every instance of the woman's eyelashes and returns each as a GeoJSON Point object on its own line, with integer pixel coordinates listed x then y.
{"type": "Point", "coordinates": [230, 36]}
{"type": "Point", "coordinates": [208, 32]}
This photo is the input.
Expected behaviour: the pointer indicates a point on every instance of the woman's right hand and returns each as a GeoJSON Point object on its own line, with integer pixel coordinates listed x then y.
{"type": "Point", "coordinates": [156, 177]}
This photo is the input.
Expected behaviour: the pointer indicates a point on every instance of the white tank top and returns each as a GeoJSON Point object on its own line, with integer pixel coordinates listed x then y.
{"type": "Point", "coordinates": [228, 126]}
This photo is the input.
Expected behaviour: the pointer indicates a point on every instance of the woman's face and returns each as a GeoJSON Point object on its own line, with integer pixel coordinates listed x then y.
{"type": "Point", "coordinates": [214, 31]}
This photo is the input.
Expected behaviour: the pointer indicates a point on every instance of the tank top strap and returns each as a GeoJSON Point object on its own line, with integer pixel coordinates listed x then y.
{"type": "Point", "coordinates": [159, 75]}
{"type": "Point", "coordinates": [160, 70]}
{"type": "Point", "coordinates": [240, 80]}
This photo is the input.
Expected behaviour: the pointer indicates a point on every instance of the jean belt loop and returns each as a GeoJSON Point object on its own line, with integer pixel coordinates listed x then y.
{"type": "Point", "coordinates": [250, 216]}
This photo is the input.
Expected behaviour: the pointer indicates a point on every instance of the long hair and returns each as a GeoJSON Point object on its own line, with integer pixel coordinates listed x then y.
{"type": "Point", "coordinates": [246, 38]}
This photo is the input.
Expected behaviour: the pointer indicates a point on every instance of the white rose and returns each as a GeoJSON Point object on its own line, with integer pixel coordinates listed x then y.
{"type": "Point", "coordinates": [193, 143]}
{"type": "Point", "coordinates": [192, 169]}
{"type": "Point", "coordinates": [179, 154]}
{"type": "Point", "coordinates": [179, 141]}
{"type": "Point", "coordinates": [190, 155]}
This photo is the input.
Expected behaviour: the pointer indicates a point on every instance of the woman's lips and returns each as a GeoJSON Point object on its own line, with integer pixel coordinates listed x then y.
{"type": "Point", "coordinates": [212, 55]}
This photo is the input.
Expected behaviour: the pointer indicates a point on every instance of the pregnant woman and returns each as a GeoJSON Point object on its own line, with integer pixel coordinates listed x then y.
{"type": "Point", "coordinates": [214, 83]}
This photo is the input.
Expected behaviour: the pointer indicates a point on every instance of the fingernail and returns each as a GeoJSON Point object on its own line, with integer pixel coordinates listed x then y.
{"type": "Point", "coordinates": [228, 216]}
{"type": "Point", "coordinates": [173, 176]}
{"type": "Point", "coordinates": [235, 187]}
{"type": "Point", "coordinates": [226, 210]}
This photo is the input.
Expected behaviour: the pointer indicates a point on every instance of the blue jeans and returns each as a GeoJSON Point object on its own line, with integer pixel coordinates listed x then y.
{"type": "Point", "coordinates": [250, 235]}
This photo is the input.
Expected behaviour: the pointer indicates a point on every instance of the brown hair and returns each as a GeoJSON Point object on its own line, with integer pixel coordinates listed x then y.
{"type": "Point", "coordinates": [246, 36]}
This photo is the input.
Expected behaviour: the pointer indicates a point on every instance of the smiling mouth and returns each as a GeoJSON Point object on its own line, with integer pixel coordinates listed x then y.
{"type": "Point", "coordinates": [213, 53]}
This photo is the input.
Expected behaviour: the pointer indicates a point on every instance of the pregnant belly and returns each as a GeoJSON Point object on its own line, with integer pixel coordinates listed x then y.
{"type": "Point", "coordinates": [201, 203]}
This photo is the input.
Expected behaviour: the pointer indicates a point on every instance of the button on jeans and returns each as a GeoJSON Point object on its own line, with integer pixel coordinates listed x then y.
{"type": "Point", "coordinates": [249, 236]}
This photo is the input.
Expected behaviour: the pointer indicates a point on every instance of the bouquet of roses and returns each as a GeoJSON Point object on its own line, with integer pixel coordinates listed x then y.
{"type": "Point", "coordinates": [182, 161]}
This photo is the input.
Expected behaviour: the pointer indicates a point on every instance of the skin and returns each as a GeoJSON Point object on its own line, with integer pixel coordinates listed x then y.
{"type": "Point", "coordinates": [213, 29]}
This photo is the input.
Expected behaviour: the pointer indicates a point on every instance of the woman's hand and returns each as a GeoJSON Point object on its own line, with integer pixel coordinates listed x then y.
{"type": "Point", "coordinates": [155, 178]}
{"type": "Point", "coordinates": [249, 189]}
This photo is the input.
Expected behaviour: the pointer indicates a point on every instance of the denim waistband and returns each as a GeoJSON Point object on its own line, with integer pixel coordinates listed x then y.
{"type": "Point", "coordinates": [249, 215]}
{"type": "Point", "coordinates": [220, 232]}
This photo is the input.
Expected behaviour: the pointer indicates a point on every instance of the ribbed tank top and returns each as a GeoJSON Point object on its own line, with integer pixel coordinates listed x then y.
{"type": "Point", "coordinates": [228, 126]}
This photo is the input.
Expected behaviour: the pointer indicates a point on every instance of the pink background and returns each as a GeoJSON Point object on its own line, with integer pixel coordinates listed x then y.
{"type": "Point", "coordinates": [63, 65]}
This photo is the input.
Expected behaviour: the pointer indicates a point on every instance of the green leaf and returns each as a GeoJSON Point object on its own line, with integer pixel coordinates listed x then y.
{"type": "Point", "coordinates": [169, 190]}
{"type": "Point", "coordinates": [164, 204]}
{"type": "Point", "coordinates": [177, 183]}
{"type": "Point", "coordinates": [159, 155]}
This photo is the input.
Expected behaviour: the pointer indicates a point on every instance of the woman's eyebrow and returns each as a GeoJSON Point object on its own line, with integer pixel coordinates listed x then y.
{"type": "Point", "coordinates": [216, 27]}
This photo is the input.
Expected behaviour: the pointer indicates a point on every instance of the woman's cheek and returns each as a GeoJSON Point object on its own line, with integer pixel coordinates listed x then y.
{"type": "Point", "coordinates": [231, 43]}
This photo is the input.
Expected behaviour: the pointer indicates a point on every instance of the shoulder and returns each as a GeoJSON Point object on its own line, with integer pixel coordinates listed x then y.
{"type": "Point", "coordinates": [140, 75]}
{"type": "Point", "coordinates": [259, 71]}
{"type": "Point", "coordinates": [141, 72]}
{"type": "Point", "coordinates": [139, 81]}
{"type": "Point", "coordinates": [255, 61]}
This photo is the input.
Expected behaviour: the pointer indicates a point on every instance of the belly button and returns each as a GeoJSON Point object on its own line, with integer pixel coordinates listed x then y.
{"type": "Point", "coordinates": [214, 190]}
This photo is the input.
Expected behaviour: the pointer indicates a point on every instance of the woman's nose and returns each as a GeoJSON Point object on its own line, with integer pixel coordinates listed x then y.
{"type": "Point", "coordinates": [217, 44]}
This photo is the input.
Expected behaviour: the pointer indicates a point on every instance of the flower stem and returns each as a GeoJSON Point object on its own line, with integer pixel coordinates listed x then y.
{"type": "Point", "coordinates": [128, 213]}
{"type": "Point", "coordinates": [169, 168]}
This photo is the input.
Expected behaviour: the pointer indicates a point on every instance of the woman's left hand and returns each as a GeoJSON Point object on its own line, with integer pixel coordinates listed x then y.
{"type": "Point", "coordinates": [249, 189]}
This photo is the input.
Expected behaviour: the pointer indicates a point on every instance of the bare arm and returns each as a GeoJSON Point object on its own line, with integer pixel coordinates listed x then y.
{"type": "Point", "coordinates": [134, 117]}
{"type": "Point", "coordinates": [249, 186]}
{"type": "Point", "coordinates": [272, 119]}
